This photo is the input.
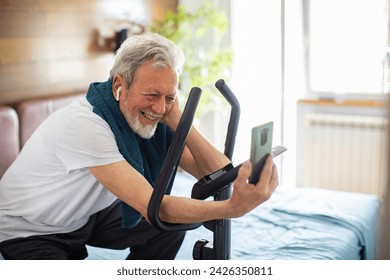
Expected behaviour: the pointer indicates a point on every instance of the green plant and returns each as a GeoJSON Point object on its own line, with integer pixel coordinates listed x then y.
{"type": "Point", "coordinates": [204, 66]}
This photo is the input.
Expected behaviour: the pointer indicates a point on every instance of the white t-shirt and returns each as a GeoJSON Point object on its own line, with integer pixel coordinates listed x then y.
{"type": "Point", "coordinates": [49, 188]}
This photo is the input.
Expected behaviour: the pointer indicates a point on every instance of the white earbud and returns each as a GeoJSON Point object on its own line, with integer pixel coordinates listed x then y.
{"type": "Point", "coordinates": [118, 93]}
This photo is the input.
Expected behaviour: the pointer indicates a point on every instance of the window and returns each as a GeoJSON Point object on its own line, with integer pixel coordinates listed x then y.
{"type": "Point", "coordinates": [346, 47]}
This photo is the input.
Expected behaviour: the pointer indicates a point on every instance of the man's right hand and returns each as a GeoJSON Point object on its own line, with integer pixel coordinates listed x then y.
{"type": "Point", "coordinates": [246, 196]}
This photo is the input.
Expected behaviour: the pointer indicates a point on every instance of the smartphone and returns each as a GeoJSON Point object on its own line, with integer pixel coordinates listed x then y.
{"type": "Point", "coordinates": [261, 148]}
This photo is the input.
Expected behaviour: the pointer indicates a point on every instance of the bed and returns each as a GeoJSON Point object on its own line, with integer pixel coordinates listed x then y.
{"type": "Point", "coordinates": [295, 224]}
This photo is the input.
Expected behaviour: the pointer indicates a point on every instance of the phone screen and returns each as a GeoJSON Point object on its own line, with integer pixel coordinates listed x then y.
{"type": "Point", "coordinates": [261, 147]}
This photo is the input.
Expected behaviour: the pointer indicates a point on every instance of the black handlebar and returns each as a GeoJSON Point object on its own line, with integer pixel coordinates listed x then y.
{"type": "Point", "coordinates": [234, 117]}
{"type": "Point", "coordinates": [170, 166]}
{"type": "Point", "coordinates": [216, 181]}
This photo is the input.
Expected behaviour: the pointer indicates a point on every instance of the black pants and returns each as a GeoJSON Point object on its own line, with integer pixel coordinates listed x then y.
{"type": "Point", "coordinates": [103, 230]}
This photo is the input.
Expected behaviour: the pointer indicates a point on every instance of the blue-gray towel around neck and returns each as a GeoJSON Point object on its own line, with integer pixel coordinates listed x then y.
{"type": "Point", "coordinates": [145, 155]}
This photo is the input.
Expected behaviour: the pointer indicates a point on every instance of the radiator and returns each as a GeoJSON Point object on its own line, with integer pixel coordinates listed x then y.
{"type": "Point", "coordinates": [346, 153]}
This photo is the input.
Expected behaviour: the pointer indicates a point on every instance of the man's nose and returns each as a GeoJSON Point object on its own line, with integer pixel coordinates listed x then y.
{"type": "Point", "coordinates": [159, 106]}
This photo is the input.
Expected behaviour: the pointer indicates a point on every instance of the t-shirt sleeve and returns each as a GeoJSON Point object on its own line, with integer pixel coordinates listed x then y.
{"type": "Point", "coordinates": [87, 141]}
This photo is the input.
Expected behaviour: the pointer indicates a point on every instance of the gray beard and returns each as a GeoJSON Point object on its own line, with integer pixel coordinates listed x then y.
{"type": "Point", "coordinates": [145, 132]}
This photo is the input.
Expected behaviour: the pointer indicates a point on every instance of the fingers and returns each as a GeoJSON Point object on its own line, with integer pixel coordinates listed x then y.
{"type": "Point", "coordinates": [246, 196]}
{"type": "Point", "coordinates": [269, 173]}
{"type": "Point", "coordinates": [269, 178]}
{"type": "Point", "coordinates": [244, 172]}
{"type": "Point", "coordinates": [275, 176]}
{"type": "Point", "coordinates": [266, 173]}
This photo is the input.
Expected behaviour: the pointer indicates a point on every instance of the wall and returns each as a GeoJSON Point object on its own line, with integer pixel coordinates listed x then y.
{"type": "Point", "coordinates": [342, 145]}
{"type": "Point", "coordinates": [51, 47]}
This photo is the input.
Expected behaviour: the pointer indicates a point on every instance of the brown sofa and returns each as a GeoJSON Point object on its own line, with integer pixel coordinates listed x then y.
{"type": "Point", "coordinates": [9, 137]}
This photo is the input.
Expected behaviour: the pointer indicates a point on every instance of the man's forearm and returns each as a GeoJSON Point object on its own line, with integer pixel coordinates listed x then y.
{"type": "Point", "coordinates": [185, 210]}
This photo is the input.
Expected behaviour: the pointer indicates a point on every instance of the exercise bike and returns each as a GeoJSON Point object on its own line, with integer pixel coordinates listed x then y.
{"type": "Point", "coordinates": [217, 184]}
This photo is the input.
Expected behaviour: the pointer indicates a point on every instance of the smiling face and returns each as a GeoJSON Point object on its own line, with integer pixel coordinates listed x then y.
{"type": "Point", "coordinates": [149, 98]}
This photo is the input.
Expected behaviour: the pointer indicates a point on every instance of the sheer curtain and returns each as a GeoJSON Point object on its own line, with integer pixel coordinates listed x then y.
{"type": "Point", "coordinates": [267, 73]}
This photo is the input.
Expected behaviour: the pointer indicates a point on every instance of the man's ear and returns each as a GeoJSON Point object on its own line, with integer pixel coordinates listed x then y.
{"type": "Point", "coordinates": [118, 93]}
{"type": "Point", "coordinates": [117, 84]}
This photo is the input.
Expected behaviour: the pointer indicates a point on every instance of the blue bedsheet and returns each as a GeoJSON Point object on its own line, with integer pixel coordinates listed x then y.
{"type": "Point", "coordinates": [301, 223]}
{"type": "Point", "coordinates": [338, 214]}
